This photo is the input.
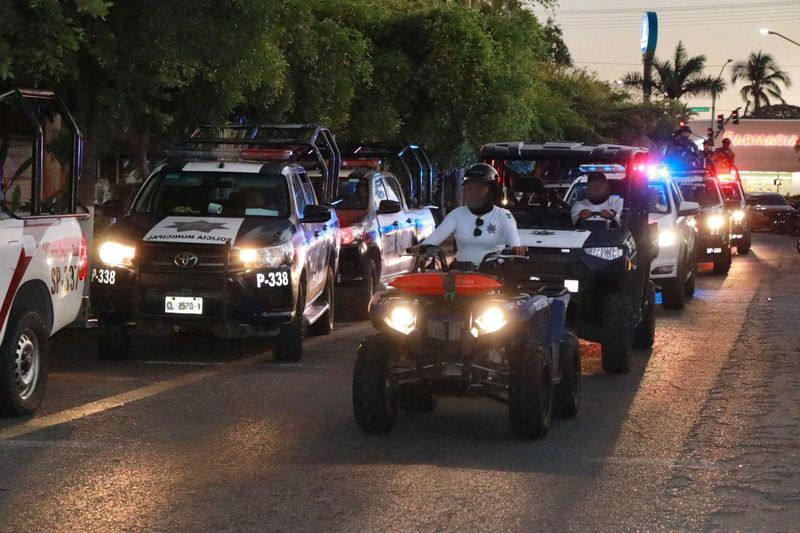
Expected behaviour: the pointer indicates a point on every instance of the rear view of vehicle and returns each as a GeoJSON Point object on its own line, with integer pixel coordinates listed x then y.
{"type": "Point", "coordinates": [714, 220]}
{"type": "Point", "coordinates": [460, 333]}
{"type": "Point", "coordinates": [378, 225]}
{"type": "Point", "coordinates": [43, 259]}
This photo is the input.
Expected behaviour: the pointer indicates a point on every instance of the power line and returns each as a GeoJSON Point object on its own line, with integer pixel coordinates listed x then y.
{"type": "Point", "coordinates": [694, 8]}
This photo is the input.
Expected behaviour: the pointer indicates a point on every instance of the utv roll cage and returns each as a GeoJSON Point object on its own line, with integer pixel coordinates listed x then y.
{"type": "Point", "coordinates": [36, 106]}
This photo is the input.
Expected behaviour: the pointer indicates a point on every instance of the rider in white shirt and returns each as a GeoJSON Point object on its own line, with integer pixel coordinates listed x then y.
{"type": "Point", "coordinates": [598, 200]}
{"type": "Point", "coordinates": [480, 227]}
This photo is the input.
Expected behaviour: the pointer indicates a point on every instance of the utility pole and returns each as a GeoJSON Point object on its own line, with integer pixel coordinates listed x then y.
{"type": "Point", "coordinates": [649, 38]}
{"type": "Point", "coordinates": [714, 97]}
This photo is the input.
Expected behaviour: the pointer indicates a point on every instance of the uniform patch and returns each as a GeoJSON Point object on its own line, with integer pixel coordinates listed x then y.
{"type": "Point", "coordinates": [491, 228]}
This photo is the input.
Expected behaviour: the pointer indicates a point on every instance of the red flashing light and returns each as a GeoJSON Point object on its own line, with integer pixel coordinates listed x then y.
{"type": "Point", "coordinates": [346, 236]}
{"type": "Point", "coordinates": [266, 154]}
{"type": "Point", "coordinates": [83, 265]}
{"type": "Point", "coordinates": [372, 164]}
{"type": "Point", "coordinates": [433, 284]}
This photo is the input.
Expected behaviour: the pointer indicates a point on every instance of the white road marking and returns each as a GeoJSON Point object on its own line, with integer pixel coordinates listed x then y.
{"type": "Point", "coordinates": [147, 391]}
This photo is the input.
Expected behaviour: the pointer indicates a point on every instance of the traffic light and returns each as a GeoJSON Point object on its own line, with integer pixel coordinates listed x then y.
{"type": "Point", "coordinates": [710, 135]}
{"type": "Point", "coordinates": [720, 122]}
{"type": "Point", "coordinates": [735, 116]}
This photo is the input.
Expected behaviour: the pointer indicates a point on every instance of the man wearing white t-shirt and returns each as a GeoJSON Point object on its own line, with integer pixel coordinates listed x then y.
{"type": "Point", "coordinates": [480, 227]}
{"type": "Point", "coordinates": [599, 204]}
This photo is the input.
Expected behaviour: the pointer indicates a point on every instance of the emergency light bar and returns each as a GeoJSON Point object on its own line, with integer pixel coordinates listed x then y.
{"type": "Point", "coordinates": [658, 171]}
{"type": "Point", "coordinates": [726, 177]}
{"type": "Point", "coordinates": [613, 168]}
{"type": "Point", "coordinates": [372, 164]}
{"type": "Point", "coordinates": [234, 154]}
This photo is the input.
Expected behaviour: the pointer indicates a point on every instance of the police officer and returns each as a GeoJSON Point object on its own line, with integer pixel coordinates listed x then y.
{"type": "Point", "coordinates": [480, 227]}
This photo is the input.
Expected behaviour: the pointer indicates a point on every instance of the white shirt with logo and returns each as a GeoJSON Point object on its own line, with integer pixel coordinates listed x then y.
{"type": "Point", "coordinates": [499, 230]}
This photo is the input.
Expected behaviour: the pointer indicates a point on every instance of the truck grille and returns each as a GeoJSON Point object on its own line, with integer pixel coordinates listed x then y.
{"type": "Point", "coordinates": [160, 258]}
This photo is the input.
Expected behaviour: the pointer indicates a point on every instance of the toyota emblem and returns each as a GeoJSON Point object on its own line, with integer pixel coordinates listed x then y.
{"type": "Point", "coordinates": [186, 260]}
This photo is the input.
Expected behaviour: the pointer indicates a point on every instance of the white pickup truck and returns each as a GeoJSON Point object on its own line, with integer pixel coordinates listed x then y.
{"type": "Point", "coordinates": [43, 259]}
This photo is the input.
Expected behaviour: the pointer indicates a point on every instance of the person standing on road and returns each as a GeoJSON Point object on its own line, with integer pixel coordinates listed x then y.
{"type": "Point", "coordinates": [480, 227]}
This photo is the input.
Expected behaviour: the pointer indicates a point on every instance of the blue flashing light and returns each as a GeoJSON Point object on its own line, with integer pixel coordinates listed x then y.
{"type": "Point", "coordinates": [656, 172]}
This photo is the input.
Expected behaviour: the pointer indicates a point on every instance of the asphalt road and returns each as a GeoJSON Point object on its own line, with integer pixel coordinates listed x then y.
{"type": "Point", "coordinates": [196, 434]}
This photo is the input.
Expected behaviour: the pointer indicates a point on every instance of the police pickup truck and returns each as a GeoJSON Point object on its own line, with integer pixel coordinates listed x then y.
{"type": "Point", "coordinates": [378, 226]}
{"type": "Point", "coordinates": [231, 243]}
{"type": "Point", "coordinates": [43, 259]}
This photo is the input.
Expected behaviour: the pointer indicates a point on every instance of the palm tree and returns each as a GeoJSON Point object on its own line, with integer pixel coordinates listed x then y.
{"type": "Point", "coordinates": [763, 76]}
{"type": "Point", "coordinates": [683, 76]}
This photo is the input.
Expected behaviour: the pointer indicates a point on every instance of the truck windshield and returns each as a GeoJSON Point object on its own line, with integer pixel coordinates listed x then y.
{"type": "Point", "coordinates": [354, 194]}
{"type": "Point", "coordinates": [215, 194]}
{"type": "Point", "coordinates": [705, 192]}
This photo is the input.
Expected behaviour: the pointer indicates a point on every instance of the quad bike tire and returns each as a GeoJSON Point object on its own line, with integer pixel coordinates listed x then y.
{"type": "Point", "coordinates": [568, 391]}
{"type": "Point", "coordinates": [645, 333]}
{"type": "Point", "coordinates": [617, 334]}
{"type": "Point", "coordinates": [375, 402]}
{"type": "Point", "coordinates": [531, 392]}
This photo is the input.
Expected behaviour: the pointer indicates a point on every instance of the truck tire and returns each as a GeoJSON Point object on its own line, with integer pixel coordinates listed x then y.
{"type": "Point", "coordinates": [645, 333]}
{"type": "Point", "coordinates": [689, 286]}
{"type": "Point", "coordinates": [568, 391]}
{"type": "Point", "coordinates": [746, 242]}
{"type": "Point", "coordinates": [724, 266]}
{"type": "Point", "coordinates": [113, 342]}
{"type": "Point", "coordinates": [417, 398]}
{"type": "Point", "coordinates": [365, 290]}
{"type": "Point", "coordinates": [673, 292]}
{"type": "Point", "coordinates": [324, 325]}
{"type": "Point", "coordinates": [289, 343]}
{"type": "Point", "coordinates": [23, 363]}
{"type": "Point", "coordinates": [531, 392]}
{"type": "Point", "coordinates": [375, 404]}
{"type": "Point", "coordinates": [617, 334]}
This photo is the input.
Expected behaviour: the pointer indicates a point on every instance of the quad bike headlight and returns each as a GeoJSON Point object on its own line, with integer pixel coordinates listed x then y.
{"type": "Point", "coordinates": [667, 238]}
{"type": "Point", "coordinates": [401, 318]}
{"type": "Point", "coordinates": [492, 319]}
{"type": "Point", "coordinates": [738, 216]}
{"type": "Point", "coordinates": [116, 254]}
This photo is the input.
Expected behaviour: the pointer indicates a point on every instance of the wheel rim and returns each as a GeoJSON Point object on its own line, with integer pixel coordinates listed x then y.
{"type": "Point", "coordinates": [27, 364]}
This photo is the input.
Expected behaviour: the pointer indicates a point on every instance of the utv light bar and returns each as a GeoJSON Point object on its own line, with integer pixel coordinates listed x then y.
{"type": "Point", "coordinates": [613, 168]}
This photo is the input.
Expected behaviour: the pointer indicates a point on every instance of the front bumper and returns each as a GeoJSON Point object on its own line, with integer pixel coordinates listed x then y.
{"type": "Point", "coordinates": [232, 302]}
{"type": "Point", "coordinates": [712, 248]}
{"type": "Point", "coordinates": [665, 266]}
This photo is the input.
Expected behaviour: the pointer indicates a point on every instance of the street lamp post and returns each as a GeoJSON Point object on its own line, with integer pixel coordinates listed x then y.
{"type": "Point", "coordinates": [714, 97]}
{"type": "Point", "coordinates": [766, 31]}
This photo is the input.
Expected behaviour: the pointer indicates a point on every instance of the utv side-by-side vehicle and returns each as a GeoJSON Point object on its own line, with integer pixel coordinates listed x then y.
{"type": "Point", "coordinates": [458, 332]}
{"type": "Point", "coordinates": [605, 266]}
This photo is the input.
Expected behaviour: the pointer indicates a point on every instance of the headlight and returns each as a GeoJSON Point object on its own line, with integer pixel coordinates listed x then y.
{"type": "Point", "coordinates": [116, 254]}
{"type": "Point", "coordinates": [738, 216]}
{"type": "Point", "coordinates": [269, 257]}
{"type": "Point", "coordinates": [667, 238]}
{"type": "Point", "coordinates": [493, 318]}
{"type": "Point", "coordinates": [401, 318]}
{"type": "Point", "coordinates": [715, 222]}
{"type": "Point", "coordinates": [608, 253]}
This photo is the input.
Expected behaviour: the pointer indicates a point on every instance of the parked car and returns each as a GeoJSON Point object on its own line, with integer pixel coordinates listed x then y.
{"type": "Point", "coordinates": [763, 209]}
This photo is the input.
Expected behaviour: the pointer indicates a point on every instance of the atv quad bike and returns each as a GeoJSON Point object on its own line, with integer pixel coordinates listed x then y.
{"type": "Point", "coordinates": [467, 332]}
{"type": "Point", "coordinates": [606, 267]}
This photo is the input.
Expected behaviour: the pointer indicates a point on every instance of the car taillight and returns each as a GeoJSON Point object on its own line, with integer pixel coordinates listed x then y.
{"type": "Point", "coordinates": [83, 266]}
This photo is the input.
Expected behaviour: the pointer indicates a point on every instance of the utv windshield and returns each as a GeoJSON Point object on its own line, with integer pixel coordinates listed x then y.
{"type": "Point", "coordinates": [223, 194]}
{"type": "Point", "coordinates": [536, 210]}
{"type": "Point", "coordinates": [705, 192]}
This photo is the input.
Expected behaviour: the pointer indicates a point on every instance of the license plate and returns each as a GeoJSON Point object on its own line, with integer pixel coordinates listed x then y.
{"type": "Point", "coordinates": [713, 250]}
{"type": "Point", "coordinates": [184, 305]}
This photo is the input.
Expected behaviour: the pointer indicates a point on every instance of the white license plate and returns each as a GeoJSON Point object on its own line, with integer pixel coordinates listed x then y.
{"type": "Point", "coordinates": [713, 250]}
{"type": "Point", "coordinates": [183, 305]}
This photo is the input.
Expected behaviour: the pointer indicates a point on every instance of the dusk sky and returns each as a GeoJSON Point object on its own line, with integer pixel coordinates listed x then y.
{"type": "Point", "coordinates": [603, 35]}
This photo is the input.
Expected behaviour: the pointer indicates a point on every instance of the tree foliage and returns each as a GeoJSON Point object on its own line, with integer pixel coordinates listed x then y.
{"type": "Point", "coordinates": [763, 79]}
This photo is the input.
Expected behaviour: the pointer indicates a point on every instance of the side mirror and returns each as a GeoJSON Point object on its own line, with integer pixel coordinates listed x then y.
{"type": "Point", "coordinates": [113, 208]}
{"type": "Point", "coordinates": [389, 207]}
{"type": "Point", "coordinates": [688, 209]}
{"type": "Point", "coordinates": [316, 214]}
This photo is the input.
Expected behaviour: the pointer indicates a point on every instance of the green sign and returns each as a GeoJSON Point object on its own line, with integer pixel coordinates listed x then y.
{"type": "Point", "coordinates": [700, 109]}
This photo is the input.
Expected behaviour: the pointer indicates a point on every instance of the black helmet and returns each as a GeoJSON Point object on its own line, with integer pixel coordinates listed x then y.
{"type": "Point", "coordinates": [480, 173]}
{"type": "Point", "coordinates": [684, 129]}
